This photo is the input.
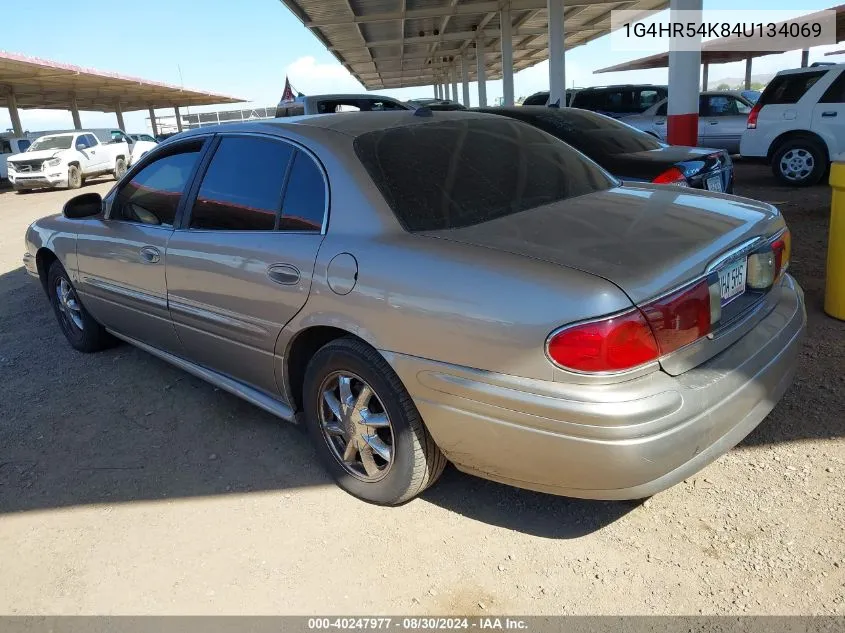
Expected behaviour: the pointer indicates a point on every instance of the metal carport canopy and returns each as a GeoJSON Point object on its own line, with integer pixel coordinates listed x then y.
{"type": "Point", "coordinates": [39, 83]}
{"type": "Point", "coordinates": [399, 43]}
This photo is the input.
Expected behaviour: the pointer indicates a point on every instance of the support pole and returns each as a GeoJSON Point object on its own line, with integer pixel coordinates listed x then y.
{"type": "Point", "coordinates": [118, 112]}
{"type": "Point", "coordinates": [748, 73]}
{"type": "Point", "coordinates": [705, 79]}
{"type": "Point", "coordinates": [507, 54]}
{"type": "Point", "coordinates": [557, 60]}
{"type": "Point", "coordinates": [435, 90]}
{"type": "Point", "coordinates": [805, 58]}
{"type": "Point", "coordinates": [178, 118]}
{"type": "Point", "coordinates": [481, 71]}
{"type": "Point", "coordinates": [684, 65]}
{"type": "Point", "coordinates": [74, 112]}
{"type": "Point", "coordinates": [153, 122]}
{"type": "Point", "coordinates": [465, 79]}
{"type": "Point", "coordinates": [446, 87]}
{"type": "Point", "coordinates": [17, 128]}
{"type": "Point", "coordinates": [454, 73]}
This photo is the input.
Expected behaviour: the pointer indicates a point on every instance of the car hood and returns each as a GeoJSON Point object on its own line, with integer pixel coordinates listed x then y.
{"type": "Point", "coordinates": [647, 239]}
{"type": "Point", "coordinates": [39, 155]}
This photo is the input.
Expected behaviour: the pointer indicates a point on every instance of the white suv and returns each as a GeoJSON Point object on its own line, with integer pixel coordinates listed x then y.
{"type": "Point", "coordinates": [799, 123]}
{"type": "Point", "coordinates": [66, 160]}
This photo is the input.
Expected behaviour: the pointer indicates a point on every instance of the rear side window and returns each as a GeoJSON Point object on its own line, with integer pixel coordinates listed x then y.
{"type": "Point", "coordinates": [242, 188]}
{"type": "Point", "coordinates": [23, 145]}
{"type": "Point", "coordinates": [153, 194]}
{"type": "Point", "coordinates": [455, 173]}
{"type": "Point", "coordinates": [785, 89]}
{"type": "Point", "coordinates": [5, 146]}
{"type": "Point", "coordinates": [305, 197]}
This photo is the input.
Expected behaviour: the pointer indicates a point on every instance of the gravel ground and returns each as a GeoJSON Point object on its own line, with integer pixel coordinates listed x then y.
{"type": "Point", "coordinates": [127, 486]}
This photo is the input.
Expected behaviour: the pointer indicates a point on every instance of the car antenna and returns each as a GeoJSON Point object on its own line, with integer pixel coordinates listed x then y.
{"type": "Point", "coordinates": [423, 111]}
{"type": "Point", "coordinates": [556, 104]}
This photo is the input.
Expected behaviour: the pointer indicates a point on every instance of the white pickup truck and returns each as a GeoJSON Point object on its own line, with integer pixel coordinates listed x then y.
{"type": "Point", "coordinates": [66, 160]}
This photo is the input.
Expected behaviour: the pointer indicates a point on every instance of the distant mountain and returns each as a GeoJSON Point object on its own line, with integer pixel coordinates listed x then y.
{"type": "Point", "coordinates": [738, 82]}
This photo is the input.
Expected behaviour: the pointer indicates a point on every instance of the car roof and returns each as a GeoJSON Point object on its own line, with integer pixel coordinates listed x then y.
{"type": "Point", "coordinates": [615, 86]}
{"type": "Point", "coordinates": [352, 124]}
{"type": "Point", "coordinates": [810, 69]}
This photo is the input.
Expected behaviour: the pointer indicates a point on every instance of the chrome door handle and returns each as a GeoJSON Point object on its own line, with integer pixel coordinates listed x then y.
{"type": "Point", "coordinates": [150, 254]}
{"type": "Point", "coordinates": [284, 274]}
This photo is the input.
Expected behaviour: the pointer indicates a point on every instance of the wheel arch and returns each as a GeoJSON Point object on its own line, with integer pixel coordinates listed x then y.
{"type": "Point", "coordinates": [44, 258]}
{"type": "Point", "coordinates": [792, 134]}
{"type": "Point", "coordinates": [300, 350]}
{"type": "Point", "coordinates": [73, 163]}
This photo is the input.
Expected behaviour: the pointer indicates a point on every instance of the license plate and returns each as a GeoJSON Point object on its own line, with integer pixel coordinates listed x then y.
{"type": "Point", "coordinates": [732, 280]}
{"type": "Point", "coordinates": [714, 183]}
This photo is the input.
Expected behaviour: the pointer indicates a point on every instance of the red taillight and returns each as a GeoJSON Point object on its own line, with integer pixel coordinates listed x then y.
{"type": "Point", "coordinates": [783, 250]}
{"type": "Point", "coordinates": [641, 336]}
{"type": "Point", "coordinates": [672, 176]}
{"type": "Point", "coordinates": [752, 116]}
{"type": "Point", "coordinates": [613, 344]}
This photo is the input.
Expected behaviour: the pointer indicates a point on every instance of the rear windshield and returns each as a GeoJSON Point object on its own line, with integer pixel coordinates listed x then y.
{"type": "Point", "coordinates": [456, 173]}
{"type": "Point", "coordinates": [789, 88]}
{"type": "Point", "coordinates": [595, 135]}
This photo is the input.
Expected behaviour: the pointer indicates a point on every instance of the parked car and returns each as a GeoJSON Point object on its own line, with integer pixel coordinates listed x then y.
{"type": "Point", "coordinates": [626, 152]}
{"type": "Point", "coordinates": [325, 104]}
{"type": "Point", "coordinates": [751, 95]}
{"type": "Point", "coordinates": [10, 145]}
{"type": "Point", "coordinates": [141, 144]}
{"type": "Point", "coordinates": [437, 105]}
{"type": "Point", "coordinates": [619, 101]}
{"type": "Point", "coordinates": [798, 123]}
{"type": "Point", "coordinates": [722, 117]}
{"type": "Point", "coordinates": [452, 286]}
{"type": "Point", "coordinates": [542, 98]}
{"type": "Point", "coordinates": [66, 160]}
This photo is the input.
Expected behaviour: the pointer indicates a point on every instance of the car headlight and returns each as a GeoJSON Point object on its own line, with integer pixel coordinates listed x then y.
{"type": "Point", "coordinates": [53, 162]}
{"type": "Point", "coordinates": [11, 166]}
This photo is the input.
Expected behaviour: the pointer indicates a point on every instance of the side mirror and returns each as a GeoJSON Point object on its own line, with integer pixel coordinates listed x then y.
{"type": "Point", "coordinates": [83, 206]}
{"type": "Point", "coordinates": [81, 146]}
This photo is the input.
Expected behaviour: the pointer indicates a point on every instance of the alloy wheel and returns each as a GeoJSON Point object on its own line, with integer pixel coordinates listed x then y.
{"type": "Point", "coordinates": [797, 164]}
{"type": "Point", "coordinates": [69, 306]}
{"type": "Point", "coordinates": [356, 426]}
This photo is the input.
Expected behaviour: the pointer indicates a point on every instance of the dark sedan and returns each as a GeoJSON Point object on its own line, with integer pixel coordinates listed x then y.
{"type": "Point", "coordinates": [628, 153]}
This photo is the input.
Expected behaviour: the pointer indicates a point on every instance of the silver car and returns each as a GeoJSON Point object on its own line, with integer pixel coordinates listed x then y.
{"type": "Point", "coordinates": [722, 118]}
{"type": "Point", "coordinates": [418, 287]}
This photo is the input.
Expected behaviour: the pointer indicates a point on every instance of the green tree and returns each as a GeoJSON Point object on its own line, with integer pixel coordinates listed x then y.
{"type": "Point", "coordinates": [723, 86]}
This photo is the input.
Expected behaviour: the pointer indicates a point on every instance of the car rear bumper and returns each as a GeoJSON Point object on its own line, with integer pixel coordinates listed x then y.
{"type": "Point", "coordinates": [622, 441]}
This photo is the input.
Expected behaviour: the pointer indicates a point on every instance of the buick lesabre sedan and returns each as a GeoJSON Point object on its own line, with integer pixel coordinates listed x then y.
{"type": "Point", "coordinates": [418, 287]}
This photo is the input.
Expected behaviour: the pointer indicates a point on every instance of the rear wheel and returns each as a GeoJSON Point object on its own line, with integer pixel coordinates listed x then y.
{"type": "Point", "coordinates": [119, 168]}
{"type": "Point", "coordinates": [74, 177]}
{"type": "Point", "coordinates": [799, 162]}
{"type": "Point", "coordinates": [365, 426]}
{"type": "Point", "coordinates": [79, 327]}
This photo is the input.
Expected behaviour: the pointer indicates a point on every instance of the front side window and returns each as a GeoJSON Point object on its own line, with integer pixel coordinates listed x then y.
{"type": "Point", "coordinates": [455, 173]}
{"type": "Point", "coordinates": [836, 91]}
{"type": "Point", "coordinates": [5, 146]}
{"type": "Point", "coordinates": [153, 194]}
{"type": "Point", "coordinates": [91, 140]}
{"type": "Point", "coordinates": [242, 188]}
{"type": "Point", "coordinates": [82, 142]}
{"type": "Point", "coordinates": [647, 99]}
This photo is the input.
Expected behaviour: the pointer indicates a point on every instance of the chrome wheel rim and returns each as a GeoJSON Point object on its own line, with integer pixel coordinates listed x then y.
{"type": "Point", "coordinates": [797, 164]}
{"type": "Point", "coordinates": [355, 426]}
{"type": "Point", "coordinates": [75, 177]}
{"type": "Point", "coordinates": [69, 305]}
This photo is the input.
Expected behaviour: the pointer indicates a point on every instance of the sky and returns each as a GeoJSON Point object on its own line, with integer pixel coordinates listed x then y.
{"type": "Point", "coordinates": [246, 48]}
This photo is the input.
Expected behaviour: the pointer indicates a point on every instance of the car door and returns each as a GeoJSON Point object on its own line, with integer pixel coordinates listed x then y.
{"type": "Point", "coordinates": [722, 120]}
{"type": "Point", "coordinates": [240, 266]}
{"type": "Point", "coordinates": [121, 257]}
{"type": "Point", "coordinates": [829, 115]}
{"type": "Point", "coordinates": [86, 153]}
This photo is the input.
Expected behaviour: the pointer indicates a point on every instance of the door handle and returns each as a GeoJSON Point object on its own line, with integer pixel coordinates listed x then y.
{"type": "Point", "coordinates": [284, 274]}
{"type": "Point", "coordinates": [713, 122]}
{"type": "Point", "coordinates": [660, 122]}
{"type": "Point", "coordinates": [829, 114]}
{"type": "Point", "coordinates": [150, 255]}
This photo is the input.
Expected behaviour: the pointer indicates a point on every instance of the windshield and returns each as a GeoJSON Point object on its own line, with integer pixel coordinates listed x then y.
{"type": "Point", "coordinates": [594, 134]}
{"type": "Point", "coordinates": [455, 173]}
{"type": "Point", "coordinates": [51, 142]}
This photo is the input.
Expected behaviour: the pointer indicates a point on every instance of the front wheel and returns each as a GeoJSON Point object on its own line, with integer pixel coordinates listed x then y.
{"type": "Point", "coordinates": [74, 177]}
{"type": "Point", "coordinates": [119, 168]}
{"type": "Point", "coordinates": [799, 162]}
{"type": "Point", "coordinates": [365, 426]}
{"type": "Point", "coordinates": [78, 326]}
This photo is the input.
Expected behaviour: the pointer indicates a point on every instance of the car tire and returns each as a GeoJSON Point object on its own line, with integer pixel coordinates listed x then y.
{"type": "Point", "coordinates": [79, 327]}
{"type": "Point", "coordinates": [387, 464]}
{"type": "Point", "coordinates": [799, 162]}
{"type": "Point", "coordinates": [22, 190]}
{"type": "Point", "coordinates": [119, 168]}
{"type": "Point", "coordinates": [74, 177]}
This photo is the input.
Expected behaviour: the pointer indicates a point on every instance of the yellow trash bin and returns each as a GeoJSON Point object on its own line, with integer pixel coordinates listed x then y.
{"type": "Point", "coordinates": [834, 293]}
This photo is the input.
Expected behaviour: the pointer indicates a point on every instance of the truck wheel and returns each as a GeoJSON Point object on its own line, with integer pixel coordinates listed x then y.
{"type": "Point", "coordinates": [74, 177]}
{"type": "Point", "coordinates": [21, 190]}
{"type": "Point", "coordinates": [119, 168]}
{"type": "Point", "coordinates": [799, 162]}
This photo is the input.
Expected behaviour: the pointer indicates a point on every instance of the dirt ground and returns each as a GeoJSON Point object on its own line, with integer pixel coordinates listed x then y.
{"type": "Point", "coordinates": [129, 487]}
